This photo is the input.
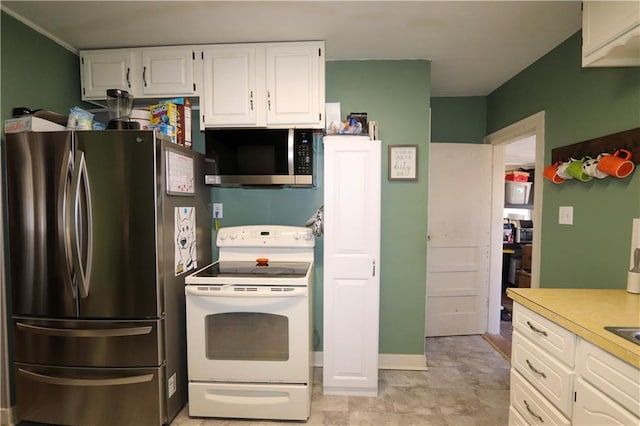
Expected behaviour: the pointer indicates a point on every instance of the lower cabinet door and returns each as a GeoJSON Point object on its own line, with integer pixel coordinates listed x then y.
{"type": "Point", "coordinates": [592, 407]}
{"type": "Point", "coordinates": [90, 396]}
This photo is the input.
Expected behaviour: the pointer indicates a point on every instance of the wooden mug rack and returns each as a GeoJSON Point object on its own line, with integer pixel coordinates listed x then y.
{"type": "Point", "coordinates": [629, 139]}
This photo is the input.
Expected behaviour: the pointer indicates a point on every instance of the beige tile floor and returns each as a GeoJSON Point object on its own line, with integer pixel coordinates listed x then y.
{"type": "Point", "coordinates": [467, 384]}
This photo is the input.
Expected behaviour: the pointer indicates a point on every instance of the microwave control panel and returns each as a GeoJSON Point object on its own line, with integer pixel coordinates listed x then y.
{"type": "Point", "coordinates": [303, 153]}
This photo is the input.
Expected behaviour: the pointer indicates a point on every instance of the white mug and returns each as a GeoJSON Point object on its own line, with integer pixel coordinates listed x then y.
{"type": "Point", "coordinates": [590, 167]}
{"type": "Point", "coordinates": [562, 170]}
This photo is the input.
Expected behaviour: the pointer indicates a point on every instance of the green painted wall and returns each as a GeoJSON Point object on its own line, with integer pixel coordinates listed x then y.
{"type": "Point", "coordinates": [395, 93]}
{"type": "Point", "coordinates": [580, 104]}
{"type": "Point", "coordinates": [36, 72]}
{"type": "Point", "coordinates": [459, 119]}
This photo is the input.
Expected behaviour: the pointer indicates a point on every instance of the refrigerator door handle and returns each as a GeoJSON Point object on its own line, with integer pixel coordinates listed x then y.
{"type": "Point", "coordinates": [64, 239]}
{"type": "Point", "coordinates": [64, 381]}
{"type": "Point", "coordinates": [99, 332]}
{"type": "Point", "coordinates": [83, 273]}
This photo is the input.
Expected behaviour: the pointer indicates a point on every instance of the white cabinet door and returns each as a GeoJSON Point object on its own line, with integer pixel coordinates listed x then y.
{"type": "Point", "coordinates": [107, 69]}
{"type": "Point", "coordinates": [351, 265]}
{"type": "Point", "coordinates": [229, 95]}
{"type": "Point", "coordinates": [610, 33]}
{"type": "Point", "coordinates": [293, 78]}
{"type": "Point", "coordinates": [592, 407]}
{"type": "Point", "coordinates": [168, 71]}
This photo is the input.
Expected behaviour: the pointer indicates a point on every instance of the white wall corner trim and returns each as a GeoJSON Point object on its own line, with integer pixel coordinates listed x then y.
{"type": "Point", "coordinates": [39, 30]}
{"type": "Point", "coordinates": [413, 362]}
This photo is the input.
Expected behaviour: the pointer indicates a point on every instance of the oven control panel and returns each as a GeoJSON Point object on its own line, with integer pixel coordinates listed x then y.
{"type": "Point", "coordinates": [265, 236]}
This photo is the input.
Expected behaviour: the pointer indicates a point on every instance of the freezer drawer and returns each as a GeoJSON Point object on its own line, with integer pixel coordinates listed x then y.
{"type": "Point", "coordinates": [90, 396]}
{"type": "Point", "coordinates": [96, 343]}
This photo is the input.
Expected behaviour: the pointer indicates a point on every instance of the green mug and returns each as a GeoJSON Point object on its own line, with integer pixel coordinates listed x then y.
{"type": "Point", "coordinates": [575, 170]}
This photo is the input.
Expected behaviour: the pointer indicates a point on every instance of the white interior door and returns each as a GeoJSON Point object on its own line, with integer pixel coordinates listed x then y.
{"type": "Point", "coordinates": [459, 239]}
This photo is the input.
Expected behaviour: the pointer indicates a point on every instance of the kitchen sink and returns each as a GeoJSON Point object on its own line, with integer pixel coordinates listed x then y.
{"type": "Point", "coordinates": [631, 334]}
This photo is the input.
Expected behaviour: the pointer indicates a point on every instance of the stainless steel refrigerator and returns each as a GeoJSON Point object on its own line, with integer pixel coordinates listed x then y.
{"type": "Point", "coordinates": [103, 227]}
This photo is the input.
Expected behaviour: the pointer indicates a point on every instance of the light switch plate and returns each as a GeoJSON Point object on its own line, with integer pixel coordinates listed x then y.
{"type": "Point", "coordinates": [565, 215]}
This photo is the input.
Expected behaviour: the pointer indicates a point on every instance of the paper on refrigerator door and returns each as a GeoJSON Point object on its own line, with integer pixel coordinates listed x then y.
{"type": "Point", "coordinates": [185, 239]}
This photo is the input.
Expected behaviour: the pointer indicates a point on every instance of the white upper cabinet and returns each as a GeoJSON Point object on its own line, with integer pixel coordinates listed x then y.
{"type": "Point", "coordinates": [229, 93]}
{"type": "Point", "coordinates": [263, 85]}
{"type": "Point", "coordinates": [610, 33]}
{"type": "Point", "coordinates": [143, 72]}
{"type": "Point", "coordinates": [168, 71]}
{"type": "Point", "coordinates": [294, 75]}
{"type": "Point", "coordinates": [106, 69]}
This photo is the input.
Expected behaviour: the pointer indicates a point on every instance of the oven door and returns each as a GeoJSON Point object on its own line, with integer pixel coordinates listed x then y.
{"type": "Point", "coordinates": [248, 333]}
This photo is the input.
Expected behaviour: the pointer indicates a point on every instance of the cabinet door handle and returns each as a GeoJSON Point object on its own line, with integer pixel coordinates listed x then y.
{"type": "Point", "coordinates": [537, 416]}
{"type": "Point", "coordinates": [542, 332]}
{"type": "Point", "coordinates": [251, 99]}
{"type": "Point", "coordinates": [535, 370]}
{"type": "Point", "coordinates": [144, 76]}
{"type": "Point", "coordinates": [269, 99]}
{"type": "Point", "coordinates": [128, 80]}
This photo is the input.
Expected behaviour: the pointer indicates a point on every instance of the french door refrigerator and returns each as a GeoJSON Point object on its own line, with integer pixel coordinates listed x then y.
{"type": "Point", "coordinates": [103, 227]}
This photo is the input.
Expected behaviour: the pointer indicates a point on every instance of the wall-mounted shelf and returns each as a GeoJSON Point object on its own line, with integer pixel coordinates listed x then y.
{"type": "Point", "coordinates": [629, 139]}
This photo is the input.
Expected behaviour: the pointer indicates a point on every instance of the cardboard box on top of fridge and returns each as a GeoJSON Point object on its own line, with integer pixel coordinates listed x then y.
{"type": "Point", "coordinates": [29, 123]}
{"type": "Point", "coordinates": [164, 118]}
{"type": "Point", "coordinates": [183, 120]}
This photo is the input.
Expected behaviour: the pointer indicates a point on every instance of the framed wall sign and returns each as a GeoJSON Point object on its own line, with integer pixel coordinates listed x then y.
{"type": "Point", "coordinates": [403, 162]}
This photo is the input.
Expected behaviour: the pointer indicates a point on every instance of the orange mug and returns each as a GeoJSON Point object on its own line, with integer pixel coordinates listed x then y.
{"type": "Point", "coordinates": [551, 173]}
{"type": "Point", "coordinates": [616, 165]}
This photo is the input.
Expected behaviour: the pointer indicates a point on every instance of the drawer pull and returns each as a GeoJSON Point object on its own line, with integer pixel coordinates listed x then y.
{"type": "Point", "coordinates": [544, 333]}
{"type": "Point", "coordinates": [539, 373]}
{"type": "Point", "coordinates": [537, 416]}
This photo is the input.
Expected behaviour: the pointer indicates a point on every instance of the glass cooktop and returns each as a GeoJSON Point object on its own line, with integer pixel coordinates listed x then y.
{"type": "Point", "coordinates": [259, 268]}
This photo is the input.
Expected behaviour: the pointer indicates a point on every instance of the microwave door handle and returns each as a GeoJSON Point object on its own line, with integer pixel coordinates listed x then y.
{"type": "Point", "coordinates": [64, 226]}
{"type": "Point", "coordinates": [83, 272]}
{"type": "Point", "coordinates": [290, 145]}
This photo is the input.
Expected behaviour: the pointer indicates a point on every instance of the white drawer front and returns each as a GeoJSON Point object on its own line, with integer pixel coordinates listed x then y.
{"type": "Point", "coordinates": [531, 404]}
{"type": "Point", "coordinates": [594, 408]}
{"type": "Point", "coordinates": [553, 379]}
{"type": "Point", "coordinates": [515, 418]}
{"type": "Point", "coordinates": [614, 377]}
{"type": "Point", "coordinates": [556, 340]}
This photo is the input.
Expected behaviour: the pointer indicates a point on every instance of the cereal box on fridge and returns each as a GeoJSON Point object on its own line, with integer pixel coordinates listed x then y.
{"type": "Point", "coordinates": [183, 120]}
{"type": "Point", "coordinates": [164, 117]}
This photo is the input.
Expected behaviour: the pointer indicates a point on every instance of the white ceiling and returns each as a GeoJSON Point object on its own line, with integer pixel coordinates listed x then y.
{"type": "Point", "coordinates": [474, 46]}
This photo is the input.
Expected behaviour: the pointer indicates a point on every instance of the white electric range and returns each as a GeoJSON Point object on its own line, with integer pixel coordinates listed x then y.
{"type": "Point", "coordinates": [249, 325]}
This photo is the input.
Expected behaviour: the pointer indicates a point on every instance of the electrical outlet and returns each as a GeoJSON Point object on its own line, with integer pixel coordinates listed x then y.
{"type": "Point", "coordinates": [217, 210]}
{"type": "Point", "coordinates": [565, 215]}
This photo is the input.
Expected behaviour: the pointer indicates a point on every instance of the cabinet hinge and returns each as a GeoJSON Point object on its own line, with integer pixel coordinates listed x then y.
{"type": "Point", "coordinates": [575, 396]}
{"type": "Point", "coordinates": [194, 87]}
{"type": "Point", "coordinates": [203, 118]}
{"type": "Point", "coordinates": [84, 92]}
{"type": "Point", "coordinates": [202, 55]}
{"type": "Point", "coordinates": [320, 116]}
{"type": "Point", "coordinates": [193, 55]}
{"type": "Point", "coordinates": [82, 61]}
{"type": "Point", "coordinates": [319, 51]}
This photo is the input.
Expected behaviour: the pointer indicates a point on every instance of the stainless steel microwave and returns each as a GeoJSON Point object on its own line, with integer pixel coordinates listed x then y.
{"type": "Point", "coordinates": [257, 157]}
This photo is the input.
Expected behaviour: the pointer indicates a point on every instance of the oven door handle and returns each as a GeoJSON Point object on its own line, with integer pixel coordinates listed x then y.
{"type": "Point", "coordinates": [231, 291]}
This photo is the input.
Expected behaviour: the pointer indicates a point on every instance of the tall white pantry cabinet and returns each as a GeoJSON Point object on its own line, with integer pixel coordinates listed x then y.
{"type": "Point", "coordinates": [352, 170]}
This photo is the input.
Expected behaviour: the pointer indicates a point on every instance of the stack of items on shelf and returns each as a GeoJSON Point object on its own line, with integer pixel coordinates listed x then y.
{"type": "Point", "coordinates": [523, 274]}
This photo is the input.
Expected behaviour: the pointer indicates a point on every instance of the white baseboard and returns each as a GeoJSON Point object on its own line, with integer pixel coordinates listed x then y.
{"type": "Point", "coordinates": [415, 362]}
{"type": "Point", "coordinates": [8, 416]}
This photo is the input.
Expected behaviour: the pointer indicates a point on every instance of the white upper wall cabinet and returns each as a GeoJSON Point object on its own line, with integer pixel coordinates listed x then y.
{"type": "Point", "coordinates": [143, 72]}
{"type": "Point", "coordinates": [263, 85]}
{"type": "Point", "coordinates": [229, 90]}
{"type": "Point", "coordinates": [610, 33]}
